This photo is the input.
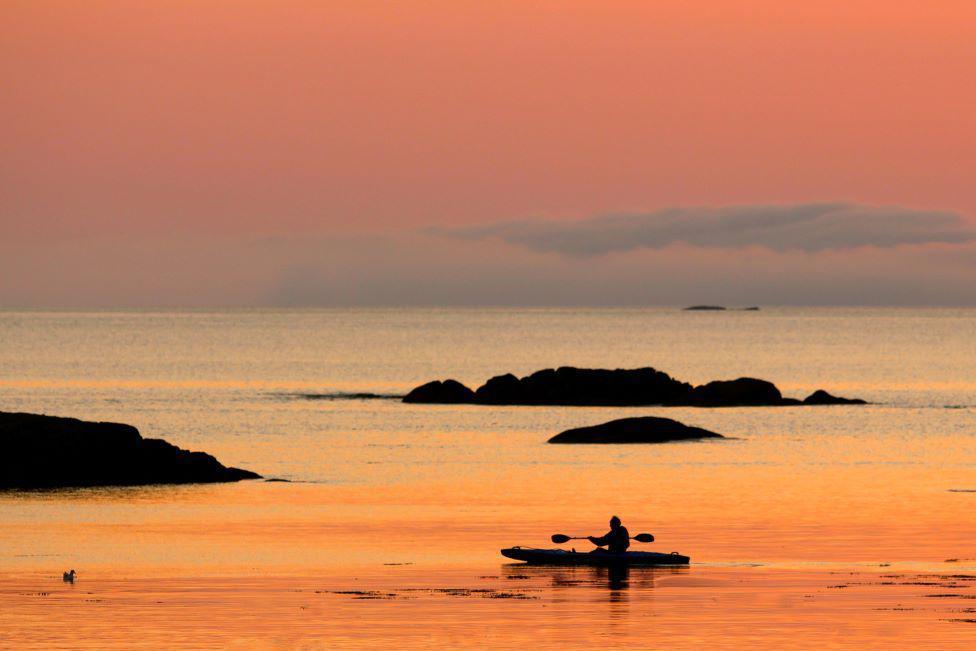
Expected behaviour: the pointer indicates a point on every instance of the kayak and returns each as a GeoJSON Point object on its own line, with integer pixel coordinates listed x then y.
{"type": "Point", "coordinates": [562, 557]}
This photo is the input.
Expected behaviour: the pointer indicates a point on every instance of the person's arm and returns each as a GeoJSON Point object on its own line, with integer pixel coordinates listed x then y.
{"type": "Point", "coordinates": [602, 540]}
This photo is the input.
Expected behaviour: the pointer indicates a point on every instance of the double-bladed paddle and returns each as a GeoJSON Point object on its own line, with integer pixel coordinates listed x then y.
{"type": "Point", "coordinates": [560, 538]}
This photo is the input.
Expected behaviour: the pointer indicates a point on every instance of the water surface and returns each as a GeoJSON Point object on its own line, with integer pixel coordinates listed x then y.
{"type": "Point", "coordinates": [414, 501]}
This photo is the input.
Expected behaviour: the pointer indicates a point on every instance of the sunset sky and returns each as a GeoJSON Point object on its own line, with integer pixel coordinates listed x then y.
{"type": "Point", "coordinates": [448, 152]}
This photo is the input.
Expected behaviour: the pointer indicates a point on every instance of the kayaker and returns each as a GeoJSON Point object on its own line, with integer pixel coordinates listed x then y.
{"type": "Point", "coordinates": [617, 540]}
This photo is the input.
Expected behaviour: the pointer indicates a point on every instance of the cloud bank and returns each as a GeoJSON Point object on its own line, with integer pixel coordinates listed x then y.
{"type": "Point", "coordinates": [819, 254]}
{"type": "Point", "coordinates": [814, 227]}
{"type": "Point", "coordinates": [409, 269]}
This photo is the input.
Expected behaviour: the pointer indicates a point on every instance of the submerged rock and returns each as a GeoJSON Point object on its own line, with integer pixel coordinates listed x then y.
{"type": "Point", "coordinates": [446, 392]}
{"type": "Point", "coordinates": [821, 397]}
{"type": "Point", "coordinates": [39, 451]}
{"type": "Point", "coordinates": [705, 308]}
{"type": "Point", "coordinates": [645, 429]}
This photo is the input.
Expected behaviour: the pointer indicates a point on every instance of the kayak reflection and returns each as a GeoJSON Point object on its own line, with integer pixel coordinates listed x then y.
{"type": "Point", "coordinates": [612, 577]}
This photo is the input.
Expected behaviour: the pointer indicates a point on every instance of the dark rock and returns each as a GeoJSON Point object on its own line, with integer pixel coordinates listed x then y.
{"type": "Point", "coordinates": [500, 390]}
{"type": "Point", "coordinates": [745, 391]}
{"type": "Point", "coordinates": [705, 308]}
{"type": "Point", "coordinates": [581, 386]}
{"type": "Point", "coordinates": [821, 397]}
{"type": "Point", "coordinates": [647, 429]}
{"type": "Point", "coordinates": [446, 392]}
{"type": "Point", "coordinates": [51, 452]}
{"type": "Point", "coordinates": [571, 386]}
{"type": "Point", "coordinates": [751, 308]}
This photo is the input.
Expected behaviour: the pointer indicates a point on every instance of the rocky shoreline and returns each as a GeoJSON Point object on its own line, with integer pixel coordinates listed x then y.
{"type": "Point", "coordinates": [51, 452]}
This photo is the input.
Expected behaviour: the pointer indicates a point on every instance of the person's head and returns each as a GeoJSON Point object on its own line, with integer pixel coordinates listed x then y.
{"type": "Point", "coordinates": [614, 522]}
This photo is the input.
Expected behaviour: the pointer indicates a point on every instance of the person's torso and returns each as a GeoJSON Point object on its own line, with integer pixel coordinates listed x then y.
{"type": "Point", "coordinates": [620, 538]}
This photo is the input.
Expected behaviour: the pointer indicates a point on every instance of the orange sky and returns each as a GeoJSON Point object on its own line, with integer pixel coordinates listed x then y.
{"type": "Point", "coordinates": [240, 118]}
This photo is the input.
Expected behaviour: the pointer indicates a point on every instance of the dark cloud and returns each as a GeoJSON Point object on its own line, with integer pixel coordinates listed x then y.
{"type": "Point", "coordinates": [804, 227]}
{"type": "Point", "coordinates": [407, 268]}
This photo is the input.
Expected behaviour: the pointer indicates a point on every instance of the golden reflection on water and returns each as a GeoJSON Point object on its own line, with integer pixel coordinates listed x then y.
{"type": "Point", "coordinates": [313, 565]}
{"type": "Point", "coordinates": [513, 606]}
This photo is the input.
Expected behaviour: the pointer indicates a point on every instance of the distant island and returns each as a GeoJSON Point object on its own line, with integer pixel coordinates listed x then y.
{"type": "Point", "coordinates": [570, 386]}
{"type": "Point", "coordinates": [718, 308]}
{"type": "Point", "coordinates": [646, 429]}
{"type": "Point", "coordinates": [41, 451]}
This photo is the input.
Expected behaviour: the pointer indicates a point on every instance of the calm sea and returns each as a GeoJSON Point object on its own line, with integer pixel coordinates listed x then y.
{"type": "Point", "coordinates": [809, 527]}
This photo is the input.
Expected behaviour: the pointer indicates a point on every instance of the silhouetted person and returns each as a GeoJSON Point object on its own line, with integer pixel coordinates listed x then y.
{"type": "Point", "coordinates": [617, 540]}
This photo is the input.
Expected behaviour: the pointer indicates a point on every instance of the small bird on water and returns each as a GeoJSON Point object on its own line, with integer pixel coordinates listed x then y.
{"type": "Point", "coordinates": [68, 577]}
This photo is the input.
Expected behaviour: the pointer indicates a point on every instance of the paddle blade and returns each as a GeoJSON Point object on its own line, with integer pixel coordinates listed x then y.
{"type": "Point", "coordinates": [642, 537]}
{"type": "Point", "coordinates": [559, 538]}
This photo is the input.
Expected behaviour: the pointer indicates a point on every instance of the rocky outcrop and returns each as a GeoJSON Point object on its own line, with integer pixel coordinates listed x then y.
{"type": "Point", "coordinates": [581, 386]}
{"type": "Point", "coordinates": [569, 386]}
{"type": "Point", "coordinates": [49, 452]}
{"type": "Point", "coordinates": [745, 391]}
{"type": "Point", "coordinates": [647, 429]}
{"type": "Point", "coordinates": [446, 392]}
{"type": "Point", "coordinates": [821, 397]}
